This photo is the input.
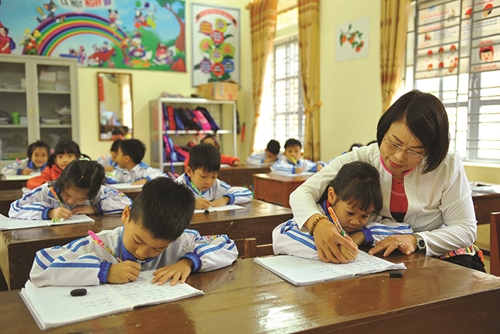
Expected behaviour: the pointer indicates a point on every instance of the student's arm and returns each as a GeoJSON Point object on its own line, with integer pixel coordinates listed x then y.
{"type": "Point", "coordinates": [15, 168]}
{"type": "Point", "coordinates": [376, 231]}
{"type": "Point", "coordinates": [40, 179]}
{"type": "Point", "coordinates": [33, 206]}
{"type": "Point", "coordinates": [229, 160]}
{"type": "Point", "coordinates": [109, 201]}
{"type": "Point", "coordinates": [256, 159]}
{"type": "Point", "coordinates": [283, 167]}
{"type": "Point", "coordinates": [237, 195]}
{"type": "Point", "coordinates": [153, 173]}
{"type": "Point", "coordinates": [290, 240]}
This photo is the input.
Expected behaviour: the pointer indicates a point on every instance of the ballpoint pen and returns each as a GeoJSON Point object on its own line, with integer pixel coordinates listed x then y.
{"type": "Point", "coordinates": [336, 222]}
{"type": "Point", "coordinates": [101, 243]}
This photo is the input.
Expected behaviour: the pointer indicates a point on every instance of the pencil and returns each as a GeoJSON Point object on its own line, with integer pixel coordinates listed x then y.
{"type": "Point", "coordinates": [336, 222]}
{"type": "Point", "coordinates": [196, 189]}
{"type": "Point", "coordinates": [294, 161]}
{"type": "Point", "coordinates": [53, 191]}
{"type": "Point", "coordinates": [101, 243]}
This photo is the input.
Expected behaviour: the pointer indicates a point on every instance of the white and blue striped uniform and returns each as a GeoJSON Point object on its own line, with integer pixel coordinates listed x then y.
{"type": "Point", "coordinates": [237, 195]}
{"type": "Point", "coordinates": [257, 159]}
{"type": "Point", "coordinates": [139, 172]}
{"type": "Point", "coordinates": [17, 167]}
{"type": "Point", "coordinates": [289, 239]}
{"type": "Point", "coordinates": [284, 166]}
{"type": "Point", "coordinates": [105, 161]}
{"type": "Point", "coordinates": [36, 204]}
{"type": "Point", "coordinates": [82, 262]}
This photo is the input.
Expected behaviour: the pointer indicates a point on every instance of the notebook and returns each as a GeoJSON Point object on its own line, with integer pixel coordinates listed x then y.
{"type": "Point", "coordinates": [220, 208]}
{"type": "Point", "coordinates": [54, 306]}
{"type": "Point", "coordinates": [120, 186]}
{"type": "Point", "coordinates": [14, 224]}
{"type": "Point", "coordinates": [300, 271]}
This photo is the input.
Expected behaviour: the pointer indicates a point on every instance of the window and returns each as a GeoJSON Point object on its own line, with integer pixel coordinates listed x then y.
{"type": "Point", "coordinates": [459, 65]}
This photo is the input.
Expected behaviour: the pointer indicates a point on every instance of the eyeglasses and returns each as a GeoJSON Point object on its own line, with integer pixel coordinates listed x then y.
{"type": "Point", "coordinates": [396, 148]}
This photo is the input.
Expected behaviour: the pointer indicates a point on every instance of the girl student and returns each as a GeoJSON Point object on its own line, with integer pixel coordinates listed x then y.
{"type": "Point", "coordinates": [352, 199]}
{"type": "Point", "coordinates": [36, 161]}
{"type": "Point", "coordinates": [78, 190]}
{"type": "Point", "coordinates": [64, 152]}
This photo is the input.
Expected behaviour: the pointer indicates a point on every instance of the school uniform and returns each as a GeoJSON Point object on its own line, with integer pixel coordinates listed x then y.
{"type": "Point", "coordinates": [289, 239]}
{"type": "Point", "coordinates": [48, 174]}
{"type": "Point", "coordinates": [36, 204]}
{"type": "Point", "coordinates": [17, 167]}
{"type": "Point", "coordinates": [258, 158]}
{"type": "Point", "coordinates": [284, 166]}
{"type": "Point", "coordinates": [105, 161]}
{"type": "Point", "coordinates": [82, 262]}
{"type": "Point", "coordinates": [237, 195]}
{"type": "Point", "coordinates": [139, 172]}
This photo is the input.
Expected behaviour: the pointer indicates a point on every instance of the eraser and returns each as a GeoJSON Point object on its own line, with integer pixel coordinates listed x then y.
{"type": "Point", "coordinates": [78, 292]}
{"type": "Point", "coordinates": [396, 274]}
{"type": "Point", "coordinates": [206, 212]}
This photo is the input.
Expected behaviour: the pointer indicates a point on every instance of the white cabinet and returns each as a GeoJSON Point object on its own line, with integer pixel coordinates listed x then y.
{"type": "Point", "coordinates": [223, 112]}
{"type": "Point", "coordinates": [38, 101]}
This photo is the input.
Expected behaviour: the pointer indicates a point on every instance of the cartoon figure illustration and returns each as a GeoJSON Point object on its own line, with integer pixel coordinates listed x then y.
{"type": "Point", "coordinates": [50, 7]}
{"type": "Point", "coordinates": [487, 10]}
{"type": "Point", "coordinates": [81, 55]}
{"type": "Point", "coordinates": [486, 53]}
{"type": "Point", "coordinates": [78, 54]}
{"type": "Point", "coordinates": [105, 46]}
{"type": "Point", "coordinates": [101, 55]}
{"type": "Point", "coordinates": [6, 43]}
{"type": "Point", "coordinates": [147, 20]}
{"type": "Point", "coordinates": [140, 19]}
{"type": "Point", "coordinates": [163, 55]}
{"type": "Point", "coordinates": [113, 18]}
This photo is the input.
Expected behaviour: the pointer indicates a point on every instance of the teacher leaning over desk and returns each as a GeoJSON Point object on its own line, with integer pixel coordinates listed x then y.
{"type": "Point", "coordinates": [424, 187]}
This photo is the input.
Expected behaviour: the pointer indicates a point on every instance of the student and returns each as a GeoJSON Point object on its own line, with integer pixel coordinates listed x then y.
{"type": "Point", "coordinates": [132, 169]}
{"type": "Point", "coordinates": [269, 156]}
{"type": "Point", "coordinates": [38, 154]}
{"type": "Point", "coordinates": [293, 164]}
{"type": "Point", "coordinates": [356, 198]}
{"type": "Point", "coordinates": [224, 159]}
{"type": "Point", "coordinates": [79, 190]}
{"type": "Point", "coordinates": [201, 177]}
{"type": "Point", "coordinates": [109, 161]}
{"type": "Point", "coordinates": [154, 236]}
{"type": "Point", "coordinates": [64, 152]}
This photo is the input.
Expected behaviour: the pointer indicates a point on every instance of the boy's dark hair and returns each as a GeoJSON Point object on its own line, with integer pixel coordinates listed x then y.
{"type": "Point", "coordinates": [38, 143]}
{"type": "Point", "coordinates": [273, 146]}
{"type": "Point", "coordinates": [62, 147]}
{"type": "Point", "coordinates": [115, 145]}
{"type": "Point", "coordinates": [208, 136]}
{"type": "Point", "coordinates": [292, 142]}
{"type": "Point", "coordinates": [134, 148]}
{"type": "Point", "coordinates": [204, 156]}
{"type": "Point", "coordinates": [357, 183]}
{"type": "Point", "coordinates": [83, 174]}
{"type": "Point", "coordinates": [164, 208]}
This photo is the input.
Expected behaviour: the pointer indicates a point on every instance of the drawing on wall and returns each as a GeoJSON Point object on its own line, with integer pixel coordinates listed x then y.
{"type": "Point", "coordinates": [215, 43]}
{"type": "Point", "coordinates": [352, 40]}
{"type": "Point", "coordinates": [148, 35]}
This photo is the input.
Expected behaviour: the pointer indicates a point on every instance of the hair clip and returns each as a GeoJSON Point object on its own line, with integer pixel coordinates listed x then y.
{"type": "Point", "coordinates": [84, 159]}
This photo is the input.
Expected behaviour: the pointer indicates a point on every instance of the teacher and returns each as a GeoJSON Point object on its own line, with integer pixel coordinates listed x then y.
{"type": "Point", "coordinates": [423, 186]}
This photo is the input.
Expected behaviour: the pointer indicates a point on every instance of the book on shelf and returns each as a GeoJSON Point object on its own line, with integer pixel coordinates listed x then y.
{"type": "Point", "coordinates": [53, 306]}
{"type": "Point", "coordinates": [301, 271]}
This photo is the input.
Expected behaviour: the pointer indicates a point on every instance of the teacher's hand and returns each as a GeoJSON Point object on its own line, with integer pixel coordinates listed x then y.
{"type": "Point", "coordinates": [329, 243]}
{"type": "Point", "coordinates": [406, 244]}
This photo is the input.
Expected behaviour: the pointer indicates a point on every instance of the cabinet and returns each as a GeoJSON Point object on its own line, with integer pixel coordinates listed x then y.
{"type": "Point", "coordinates": [38, 101]}
{"type": "Point", "coordinates": [223, 112]}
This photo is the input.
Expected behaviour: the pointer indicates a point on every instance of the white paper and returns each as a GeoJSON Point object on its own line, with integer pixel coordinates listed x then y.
{"type": "Point", "coordinates": [21, 177]}
{"type": "Point", "coordinates": [14, 224]}
{"type": "Point", "coordinates": [220, 208]}
{"type": "Point", "coordinates": [120, 186]}
{"type": "Point", "coordinates": [300, 271]}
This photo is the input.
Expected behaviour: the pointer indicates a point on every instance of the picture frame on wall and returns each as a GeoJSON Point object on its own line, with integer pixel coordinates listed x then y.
{"type": "Point", "coordinates": [215, 44]}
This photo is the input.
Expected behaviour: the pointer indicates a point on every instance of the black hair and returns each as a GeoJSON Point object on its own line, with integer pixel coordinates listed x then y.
{"type": "Point", "coordinates": [208, 136]}
{"type": "Point", "coordinates": [273, 146]}
{"type": "Point", "coordinates": [371, 142]}
{"type": "Point", "coordinates": [357, 183]}
{"type": "Point", "coordinates": [64, 147]}
{"type": "Point", "coordinates": [134, 148]}
{"type": "Point", "coordinates": [83, 174]}
{"type": "Point", "coordinates": [426, 118]}
{"type": "Point", "coordinates": [38, 143]}
{"type": "Point", "coordinates": [115, 145]}
{"type": "Point", "coordinates": [204, 156]}
{"type": "Point", "coordinates": [164, 208]}
{"type": "Point", "coordinates": [355, 145]}
{"type": "Point", "coordinates": [292, 142]}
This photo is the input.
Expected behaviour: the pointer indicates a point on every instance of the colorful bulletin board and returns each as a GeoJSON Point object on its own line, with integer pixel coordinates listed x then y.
{"type": "Point", "coordinates": [127, 34]}
{"type": "Point", "coordinates": [216, 43]}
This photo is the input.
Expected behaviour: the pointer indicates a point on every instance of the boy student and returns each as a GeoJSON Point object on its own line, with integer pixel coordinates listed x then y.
{"type": "Point", "coordinates": [293, 164]}
{"type": "Point", "coordinates": [132, 169]}
{"type": "Point", "coordinates": [269, 156]}
{"type": "Point", "coordinates": [154, 236]}
{"type": "Point", "coordinates": [201, 177]}
{"type": "Point", "coordinates": [109, 161]}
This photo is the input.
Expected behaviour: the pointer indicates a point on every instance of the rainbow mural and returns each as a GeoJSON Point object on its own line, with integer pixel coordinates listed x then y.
{"type": "Point", "coordinates": [64, 26]}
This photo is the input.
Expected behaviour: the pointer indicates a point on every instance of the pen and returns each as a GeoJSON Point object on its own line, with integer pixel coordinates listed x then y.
{"type": "Point", "coordinates": [294, 161]}
{"type": "Point", "coordinates": [57, 220]}
{"type": "Point", "coordinates": [101, 243]}
{"type": "Point", "coordinates": [336, 222]}
{"type": "Point", "coordinates": [196, 189]}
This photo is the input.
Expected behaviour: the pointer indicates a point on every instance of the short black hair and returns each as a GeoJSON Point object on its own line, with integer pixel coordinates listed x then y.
{"type": "Point", "coordinates": [134, 148]}
{"type": "Point", "coordinates": [355, 145]}
{"type": "Point", "coordinates": [427, 120]}
{"type": "Point", "coordinates": [357, 183]}
{"type": "Point", "coordinates": [83, 174]}
{"type": "Point", "coordinates": [210, 136]}
{"type": "Point", "coordinates": [68, 147]}
{"type": "Point", "coordinates": [292, 142]}
{"type": "Point", "coordinates": [38, 143]}
{"type": "Point", "coordinates": [273, 146]}
{"type": "Point", "coordinates": [115, 145]}
{"type": "Point", "coordinates": [204, 156]}
{"type": "Point", "coordinates": [164, 208]}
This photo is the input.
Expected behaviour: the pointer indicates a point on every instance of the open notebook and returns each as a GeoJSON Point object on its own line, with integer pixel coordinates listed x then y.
{"type": "Point", "coordinates": [220, 208]}
{"type": "Point", "coordinates": [14, 224]}
{"type": "Point", "coordinates": [53, 306]}
{"type": "Point", "coordinates": [300, 271]}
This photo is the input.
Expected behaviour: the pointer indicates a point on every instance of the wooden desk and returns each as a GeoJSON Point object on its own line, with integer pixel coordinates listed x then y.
{"type": "Point", "coordinates": [432, 296]}
{"type": "Point", "coordinates": [18, 247]}
{"type": "Point", "coordinates": [485, 204]}
{"type": "Point", "coordinates": [7, 197]}
{"type": "Point", "coordinates": [276, 188]}
{"type": "Point", "coordinates": [241, 175]}
{"type": "Point", "coordinates": [13, 184]}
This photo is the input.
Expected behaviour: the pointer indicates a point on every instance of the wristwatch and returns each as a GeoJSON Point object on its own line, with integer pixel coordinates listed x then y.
{"type": "Point", "coordinates": [420, 242]}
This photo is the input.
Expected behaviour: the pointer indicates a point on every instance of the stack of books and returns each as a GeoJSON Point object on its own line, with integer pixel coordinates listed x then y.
{"type": "Point", "coordinates": [64, 115]}
{"type": "Point", "coordinates": [62, 81]}
{"type": "Point", "coordinates": [47, 80]}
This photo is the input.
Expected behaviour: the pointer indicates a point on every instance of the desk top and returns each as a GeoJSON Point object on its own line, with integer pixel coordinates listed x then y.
{"type": "Point", "coordinates": [282, 178]}
{"type": "Point", "coordinates": [247, 298]}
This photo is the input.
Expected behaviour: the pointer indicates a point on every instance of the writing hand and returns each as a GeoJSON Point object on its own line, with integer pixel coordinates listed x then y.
{"type": "Point", "coordinates": [177, 272]}
{"type": "Point", "coordinates": [406, 244]}
{"type": "Point", "coordinates": [220, 202]}
{"type": "Point", "coordinates": [329, 243]}
{"type": "Point", "coordinates": [83, 209]}
{"type": "Point", "coordinates": [60, 212]}
{"type": "Point", "coordinates": [236, 163]}
{"type": "Point", "coordinates": [109, 168]}
{"type": "Point", "coordinates": [202, 203]}
{"type": "Point", "coordinates": [123, 272]}
{"type": "Point", "coordinates": [298, 170]}
{"type": "Point", "coordinates": [27, 171]}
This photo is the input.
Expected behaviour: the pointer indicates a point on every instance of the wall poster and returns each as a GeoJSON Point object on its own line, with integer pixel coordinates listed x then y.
{"type": "Point", "coordinates": [352, 39]}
